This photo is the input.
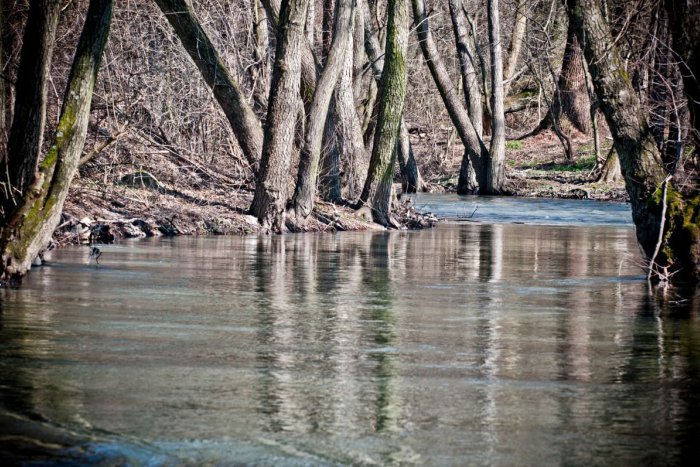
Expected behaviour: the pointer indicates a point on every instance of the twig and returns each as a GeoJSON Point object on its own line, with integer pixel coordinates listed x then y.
{"type": "Point", "coordinates": [662, 225]}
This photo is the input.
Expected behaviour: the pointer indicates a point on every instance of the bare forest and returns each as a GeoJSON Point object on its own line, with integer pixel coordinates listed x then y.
{"type": "Point", "coordinates": [166, 117]}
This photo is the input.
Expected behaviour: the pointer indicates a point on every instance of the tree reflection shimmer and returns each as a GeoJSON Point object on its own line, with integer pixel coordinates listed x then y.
{"type": "Point", "coordinates": [482, 344]}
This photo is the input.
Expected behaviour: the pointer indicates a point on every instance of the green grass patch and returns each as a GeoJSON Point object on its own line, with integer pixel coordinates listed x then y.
{"type": "Point", "coordinates": [514, 145]}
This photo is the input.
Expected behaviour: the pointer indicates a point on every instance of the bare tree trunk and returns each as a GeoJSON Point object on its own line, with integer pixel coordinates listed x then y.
{"type": "Point", "coordinates": [270, 197]}
{"type": "Point", "coordinates": [516, 43]}
{"type": "Point", "coordinates": [466, 52]}
{"type": "Point", "coordinates": [661, 214]}
{"type": "Point", "coordinates": [330, 183]}
{"type": "Point", "coordinates": [310, 65]}
{"type": "Point", "coordinates": [260, 71]}
{"type": "Point", "coordinates": [495, 168]}
{"type": "Point", "coordinates": [570, 99]}
{"type": "Point", "coordinates": [27, 131]}
{"type": "Point", "coordinates": [310, 23]}
{"type": "Point", "coordinates": [411, 181]}
{"type": "Point", "coordinates": [354, 155]}
{"type": "Point", "coordinates": [476, 153]}
{"type": "Point", "coordinates": [244, 122]}
{"type": "Point", "coordinates": [610, 172]}
{"type": "Point", "coordinates": [307, 176]}
{"type": "Point", "coordinates": [31, 225]}
{"type": "Point", "coordinates": [392, 89]}
{"type": "Point", "coordinates": [327, 22]}
{"type": "Point", "coordinates": [409, 167]}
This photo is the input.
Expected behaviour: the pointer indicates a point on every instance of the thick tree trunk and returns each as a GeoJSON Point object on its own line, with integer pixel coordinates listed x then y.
{"type": "Point", "coordinates": [392, 90]}
{"type": "Point", "coordinates": [570, 99]}
{"type": "Point", "coordinates": [573, 94]}
{"type": "Point", "coordinates": [27, 131]}
{"type": "Point", "coordinates": [330, 183]}
{"type": "Point", "coordinates": [408, 166]}
{"type": "Point", "coordinates": [271, 195]}
{"type": "Point", "coordinates": [30, 227]}
{"type": "Point", "coordinates": [656, 205]}
{"type": "Point", "coordinates": [476, 154]}
{"type": "Point", "coordinates": [307, 176]}
{"type": "Point", "coordinates": [354, 155]}
{"type": "Point", "coordinates": [495, 168]}
{"type": "Point", "coordinates": [245, 124]}
{"type": "Point", "coordinates": [310, 65]}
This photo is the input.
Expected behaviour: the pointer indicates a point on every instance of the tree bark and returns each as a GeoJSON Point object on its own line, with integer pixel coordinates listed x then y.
{"type": "Point", "coordinates": [673, 251]}
{"type": "Point", "coordinates": [310, 65]}
{"type": "Point", "coordinates": [245, 124]}
{"type": "Point", "coordinates": [27, 131]}
{"type": "Point", "coordinates": [354, 155]}
{"type": "Point", "coordinates": [411, 180]}
{"type": "Point", "coordinates": [260, 70]}
{"type": "Point", "coordinates": [29, 229]}
{"type": "Point", "coordinates": [466, 52]}
{"type": "Point", "coordinates": [476, 154]}
{"type": "Point", "coordinates": [377, 191]}
{"type": "Point", "coordinates": [408, 166]}
{"type": "Point", "coordinates": [570, 99]}
{"type": "Point", "coordinates": [495, 168]}
{"type": "Point", "coordinates": [330, 183]}
{"type": "Point", "coordinates": [307, 176]}
{"type": "Point", "coordinates": [271, 195]}
{"type": "Point", "coordinates": [516, 43]}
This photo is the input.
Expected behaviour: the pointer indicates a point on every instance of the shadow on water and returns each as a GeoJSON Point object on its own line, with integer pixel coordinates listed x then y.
{"type": "Point", "coordinates": [480, 344]}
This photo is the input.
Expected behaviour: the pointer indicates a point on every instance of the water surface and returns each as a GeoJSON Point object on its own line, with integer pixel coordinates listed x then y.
{"type": "Point", "coordinates": [469, 344]}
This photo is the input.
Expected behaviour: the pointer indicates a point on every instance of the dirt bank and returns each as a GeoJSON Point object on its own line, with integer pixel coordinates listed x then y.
{"type": "Point", "coordinates": [163, 198]}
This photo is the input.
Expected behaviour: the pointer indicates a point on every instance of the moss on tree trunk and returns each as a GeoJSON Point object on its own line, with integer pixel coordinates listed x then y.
{"type": "Point", "coordinates": [30, 227]}
{"type": "Point", "coordinates": [377, 191]}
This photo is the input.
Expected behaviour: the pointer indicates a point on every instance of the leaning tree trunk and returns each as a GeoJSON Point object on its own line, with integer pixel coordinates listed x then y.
{"type": "Point", "coordinates": [466, 52]}
{"type": "Point", "coordinates": [245, 124]}
{"type": "Point", "coordinates": [270, 197]}
{"type": "Point", "coordinates": [666, 221]}
{"type": "Point", "coordinates": [307, 176]}
{"type": "Point", "coordinates": [31, 225]}
{"type": "Point", "coordinates": [476, 155]}
{"type": "Point", "coordinates": [392, 90]}
{"type": "Point", "coordinates": [27, 131]}
{"type": "Point", "coordinates": [495, 167]}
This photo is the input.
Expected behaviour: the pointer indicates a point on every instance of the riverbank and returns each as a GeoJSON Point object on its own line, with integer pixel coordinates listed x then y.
{"type": "Point", "coordinates": [165, 198]}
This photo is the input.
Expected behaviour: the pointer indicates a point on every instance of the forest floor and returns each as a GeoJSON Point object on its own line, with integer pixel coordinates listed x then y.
{"type": "Point", "coordinates": [161, 204]}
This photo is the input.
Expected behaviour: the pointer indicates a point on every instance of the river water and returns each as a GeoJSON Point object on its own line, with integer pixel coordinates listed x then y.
{"type": "Point", "coordinates": [474, 343]}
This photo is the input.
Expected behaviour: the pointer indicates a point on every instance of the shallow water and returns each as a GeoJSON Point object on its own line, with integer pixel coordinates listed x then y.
{"type": "Point", "coordinates": [469, 344]}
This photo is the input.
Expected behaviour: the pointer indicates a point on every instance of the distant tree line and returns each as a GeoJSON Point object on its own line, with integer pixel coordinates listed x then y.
{"type": "Point", "coordinates": [313, 96]}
